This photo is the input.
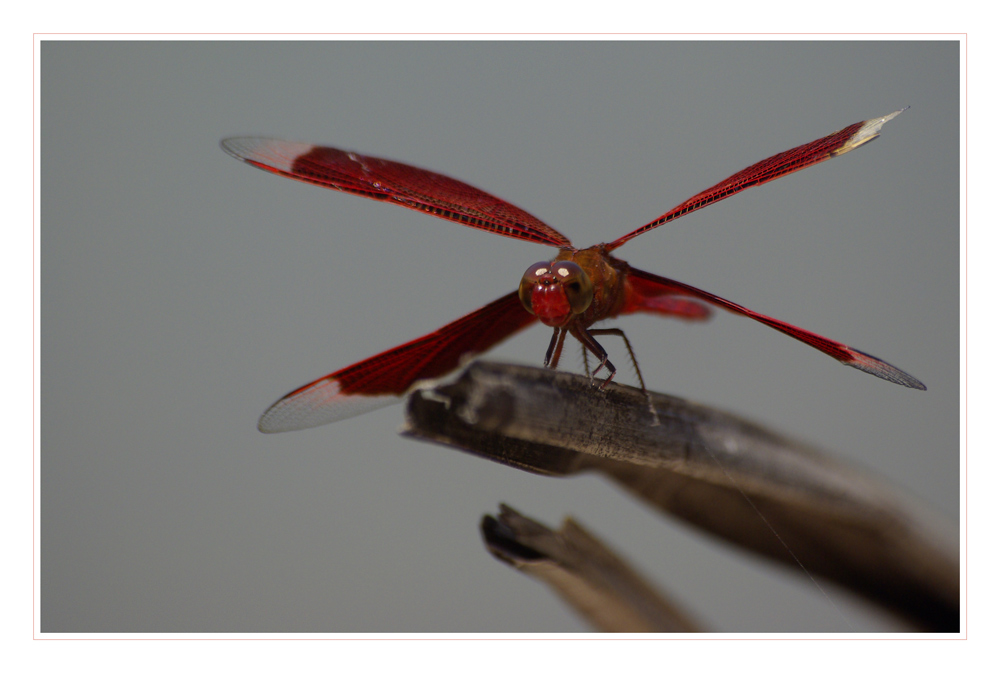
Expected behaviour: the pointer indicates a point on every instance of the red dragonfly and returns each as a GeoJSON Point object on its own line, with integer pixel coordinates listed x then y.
{"type": "Point", "coordinates": [570, 293]}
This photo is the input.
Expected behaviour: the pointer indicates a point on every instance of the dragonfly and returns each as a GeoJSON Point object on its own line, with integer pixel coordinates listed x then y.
{"type": "Point", "coordinates": [570, 293]}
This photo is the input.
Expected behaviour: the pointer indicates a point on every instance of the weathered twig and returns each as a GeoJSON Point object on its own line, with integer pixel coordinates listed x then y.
{"type": "Point", "coordinates": [589, 576]}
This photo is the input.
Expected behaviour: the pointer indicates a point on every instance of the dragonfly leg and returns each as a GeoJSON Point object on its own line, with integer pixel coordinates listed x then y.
{"type": "Point", "coordinates": [590, 343]}
{"type": "Point", "coordinates": [614, 331]}
{"type": "Point", "coordinates": [554, 351]}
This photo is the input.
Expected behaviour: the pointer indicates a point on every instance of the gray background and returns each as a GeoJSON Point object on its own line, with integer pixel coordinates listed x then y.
{"type": "Point", "coordinates": [183, 292]}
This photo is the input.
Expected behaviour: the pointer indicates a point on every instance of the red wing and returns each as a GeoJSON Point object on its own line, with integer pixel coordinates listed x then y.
{"type": "Point", "coordinates": [385, 180]}
{"type": "Point", "coordinates": [795, 159]}
{"type": "Point", "coordinates": [382, 379]}
{"type": "Point", "coordinates": [644, 289]}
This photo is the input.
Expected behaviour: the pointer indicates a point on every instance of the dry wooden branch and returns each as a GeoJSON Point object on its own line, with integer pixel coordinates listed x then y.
{"type": "Point", "coordinates": [720, 473]}
{"type": "Point", "coordinates": [599, 585]}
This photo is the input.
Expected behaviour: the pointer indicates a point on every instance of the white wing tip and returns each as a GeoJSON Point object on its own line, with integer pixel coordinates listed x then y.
{"type": "Point", "coordinates": [279, 154]}
{"type": "Point", "coordinates": [869, 131]}
{"type": "Point", "coordinates": [882, 369]}
{"type": "Point", "coordinates": [318, 404]}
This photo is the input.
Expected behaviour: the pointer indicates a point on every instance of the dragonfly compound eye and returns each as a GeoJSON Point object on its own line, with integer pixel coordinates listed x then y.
{"type": "Point", "coordinates": [537, 274]}
{"type": "Point", "coordinates": [575, 281]}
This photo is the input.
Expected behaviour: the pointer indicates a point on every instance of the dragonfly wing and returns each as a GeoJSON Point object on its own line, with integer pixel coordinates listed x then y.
{"type": "Point", "coordinates": [643, 288]}
{"type": "Point", "coordinates": [644, 296]}
{"type": "Point", "coordinates": [772, 168]}
{"type": "Point", "coordinates": [385, 180]}
{"type": "Point", "coordinates": [384, 378]}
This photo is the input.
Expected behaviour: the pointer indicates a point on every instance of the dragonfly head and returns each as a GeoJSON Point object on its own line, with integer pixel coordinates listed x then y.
{"type": "Point", "coordinates": [555, 291]}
